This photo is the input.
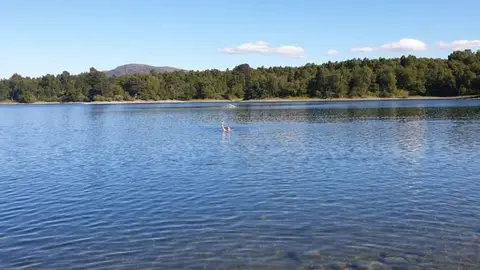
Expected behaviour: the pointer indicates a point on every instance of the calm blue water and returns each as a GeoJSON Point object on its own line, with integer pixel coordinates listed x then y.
{"type": "Point", "coordinates": [379, 184]}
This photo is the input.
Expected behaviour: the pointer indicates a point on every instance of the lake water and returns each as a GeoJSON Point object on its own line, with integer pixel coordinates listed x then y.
{"type": "Point", "coordinates": [312, 185]}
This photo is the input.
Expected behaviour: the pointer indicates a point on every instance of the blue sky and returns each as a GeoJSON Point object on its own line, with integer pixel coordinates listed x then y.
{"type": "Point", "coordinates": [49, 36]}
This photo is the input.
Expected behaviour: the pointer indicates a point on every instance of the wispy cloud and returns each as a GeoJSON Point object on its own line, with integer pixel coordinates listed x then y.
{"type": "Point", "coordinates": [403, 45]}
{"type": "Point", "coordinates": [265, 48]}
{"type": "Point", "coordinates": [363, 49]}
{"type": "Point", "coordinates": [460, 44]}
{"type": "Point", "coordinates": [332, 52]}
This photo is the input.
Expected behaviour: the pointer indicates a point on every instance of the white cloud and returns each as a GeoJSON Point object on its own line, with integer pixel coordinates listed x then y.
{"type": "Point", "coordinates": [460, 44]}
{"type": "Point", "coordinates": [362, 49]}
{"type": "Point", "coordinates": [264, 47]}
{"type": "Point", "coordinates": [332, 52]}
{"type": "Point", "coordinates": [403, 45]}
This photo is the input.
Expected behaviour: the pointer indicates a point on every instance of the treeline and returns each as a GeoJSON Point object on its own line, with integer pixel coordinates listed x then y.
{"type": "Point", "coordinates": [457, 75]}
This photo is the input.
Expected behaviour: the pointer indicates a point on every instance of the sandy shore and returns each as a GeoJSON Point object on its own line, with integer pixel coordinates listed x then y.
{"type": "Point", "coordinates": [254, 100]}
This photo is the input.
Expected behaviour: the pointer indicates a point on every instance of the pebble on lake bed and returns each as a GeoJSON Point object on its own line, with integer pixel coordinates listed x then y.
{"type": "Point", "coordinates": [395, 260]}
{"type": "Point", "coordinates": [378, 266]}
{"type": "Point", "coordinates": [313, 253]}
{"type": "Point", "coordinates": [413, 258]}
{"type": "Point", "coordinates": [337, 266]}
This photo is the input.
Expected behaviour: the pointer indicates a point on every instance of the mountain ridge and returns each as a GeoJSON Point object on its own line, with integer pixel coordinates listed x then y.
{"type": "Point", "coordinates": [134, 68]}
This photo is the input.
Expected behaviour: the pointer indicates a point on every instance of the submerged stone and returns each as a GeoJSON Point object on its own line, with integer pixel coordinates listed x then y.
{"type": "Point", "coordinates": [413, 258]}
{"type": "Point", "coordinates": [292, 255]}
{"type": "Point", "coordinates": [378, 266]}
{"type": "Point", "coordinates": [311, 265]}
{"type": "Point", "coordinates": [395, 260]}
{"type": "Point", "coordinates": [313, 253]}
{"type": "Point", "coordinates": [382, 254]}
{"type": "Point", "coordinates": [358, 265]}
{"type": "Point", "coordinates": [337, 266]}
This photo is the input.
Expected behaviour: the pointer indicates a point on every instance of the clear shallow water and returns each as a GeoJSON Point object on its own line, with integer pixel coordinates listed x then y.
{"type": "Point", "coordinates": [294, 186]}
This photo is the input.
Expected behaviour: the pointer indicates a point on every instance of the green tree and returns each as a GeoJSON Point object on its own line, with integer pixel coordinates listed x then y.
{"type": "Point", "coordinates": [98, 82]}
{"type": "Point", "coordinates": [4, 90]}
{"type": "Point", "coordinates": [458, 74]}
{"type": "Point", "coordinates": [362, 78]}
{"type": "Point", "coordinates": [386, 81]}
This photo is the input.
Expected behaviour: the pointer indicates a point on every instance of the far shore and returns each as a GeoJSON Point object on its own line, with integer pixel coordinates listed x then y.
{"type": "Point", "coordinates": [293, 99]}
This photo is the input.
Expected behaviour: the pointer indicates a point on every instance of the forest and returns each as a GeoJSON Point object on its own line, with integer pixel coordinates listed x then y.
{"type": "Point", "coordinates": [457, 75]}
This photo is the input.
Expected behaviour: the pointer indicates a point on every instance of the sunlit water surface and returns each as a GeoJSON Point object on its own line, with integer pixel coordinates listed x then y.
{"type": "Point", "coordinates": [332, 185]}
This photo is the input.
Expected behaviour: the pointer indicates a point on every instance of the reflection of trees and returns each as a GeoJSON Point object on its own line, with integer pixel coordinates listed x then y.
{"type": "Point", "coordinates": [463, 133]}
{"type": "Point", "coordinates": [334, 115]}
{"type": "Point", "coordinates": [249, 115]}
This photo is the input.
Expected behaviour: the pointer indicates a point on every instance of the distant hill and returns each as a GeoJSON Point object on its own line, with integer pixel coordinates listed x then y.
{"type": "Point", "coordinates": [130, 69]}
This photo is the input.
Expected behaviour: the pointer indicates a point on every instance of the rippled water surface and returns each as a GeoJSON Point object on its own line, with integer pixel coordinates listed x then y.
{"type": "Point", "coordinates": [333, 185]}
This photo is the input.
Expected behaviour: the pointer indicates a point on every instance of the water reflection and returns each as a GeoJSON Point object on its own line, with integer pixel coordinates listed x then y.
{"type": "Point", "coordinates": [409, 140]}
{"type": "Point", "coordinates": [296, 186]}
{"type": "Point", "coordinates": [225, 137]}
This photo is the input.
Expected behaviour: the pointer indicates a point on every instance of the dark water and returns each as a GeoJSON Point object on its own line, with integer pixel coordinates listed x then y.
{"type": "Point", "coordinates": [393, 184]}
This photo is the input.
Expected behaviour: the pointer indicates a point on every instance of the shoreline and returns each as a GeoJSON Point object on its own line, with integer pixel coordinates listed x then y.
{"type": "Point", "coordinates": [295, 99]}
